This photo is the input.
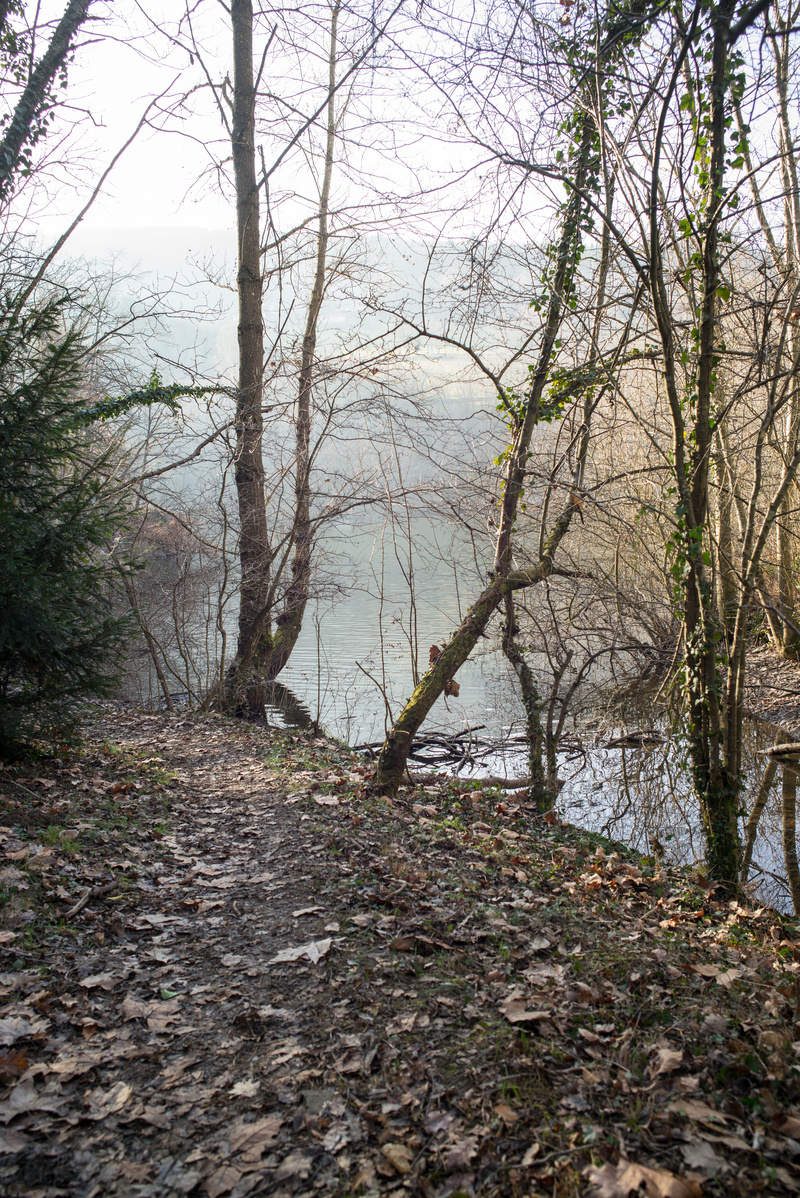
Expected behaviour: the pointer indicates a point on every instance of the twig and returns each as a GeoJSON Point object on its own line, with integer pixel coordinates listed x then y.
{"type": "Point", "coordinates": [88, 895]}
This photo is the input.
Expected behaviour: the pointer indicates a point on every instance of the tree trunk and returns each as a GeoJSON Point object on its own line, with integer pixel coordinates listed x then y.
{"type": "Point", "coordinates": [790, 642]}
{"type": "Point", "coordinates": [759, 804]}
{"type": "Point", "coordinates": [394, 754]}
{"type": "Point", "coordinates": [21, 129]}
{"type": "Point", "coordinates": [789, 813]}
{"type": "Point", "coordinates": [715, 787]}
{"type": "Point", "coordinates": [540, 792]}
{"type": "Point", "coordinates": [393, 757]}
{"type": "Point", "coordinates": [245, 683]}
{"type": "Point", "coordinates": [726, 583]}
{"type": "Point", "coordinates": [290, 621]}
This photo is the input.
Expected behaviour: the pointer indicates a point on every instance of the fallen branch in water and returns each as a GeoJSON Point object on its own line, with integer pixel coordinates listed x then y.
{"type": "Point", "coordinates": [505, 783]}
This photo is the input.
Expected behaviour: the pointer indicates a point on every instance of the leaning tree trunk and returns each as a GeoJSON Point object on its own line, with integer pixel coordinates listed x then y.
{"type": "Point", "coordinates": [245, 684]}
{"type": "Point", "coordinates": [394, 755]}
{"type": "Point", "coordinates": [21, 131]}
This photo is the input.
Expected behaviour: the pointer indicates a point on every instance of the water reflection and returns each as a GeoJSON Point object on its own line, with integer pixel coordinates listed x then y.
{"type": "Point", "coordinates": [642, 794]}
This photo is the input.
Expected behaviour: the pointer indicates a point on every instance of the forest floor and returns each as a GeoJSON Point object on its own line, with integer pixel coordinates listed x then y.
{"type": "Point", "coordinates": [229, 971]}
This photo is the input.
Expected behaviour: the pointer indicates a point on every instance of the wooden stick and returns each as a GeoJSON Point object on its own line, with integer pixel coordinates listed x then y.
{"type": "Point", "coordinates": [88, 895]}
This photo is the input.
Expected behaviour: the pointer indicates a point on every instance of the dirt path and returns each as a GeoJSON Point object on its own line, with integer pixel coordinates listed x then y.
{"type": "Point", "coordinates": [278, 986]}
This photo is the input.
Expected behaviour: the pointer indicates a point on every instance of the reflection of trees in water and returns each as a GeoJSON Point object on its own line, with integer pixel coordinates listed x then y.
{"type": "Point", "coordinates": [284, 703]}
{"type": "Point", "coordinates": [643, 797]}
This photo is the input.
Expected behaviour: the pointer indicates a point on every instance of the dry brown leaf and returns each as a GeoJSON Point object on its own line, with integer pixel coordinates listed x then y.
{"type": "Point", "coordinates": [701, 1156]}
{"type": "Point", "coordinates": [313, 952]}
{"type": "Point", "coordinates": [531, 1152]}
{"type": "Point", "coordinates": [438, 1121]}
{"type": "Point", "coordinates": [705, 971]}
{"type": "Point", "coordinates": [101, 981]}
{"type": "Point", "coordinates": [221, 1181]}
{"type": "Point", "coordinates": [694, 1109]}
{"type": "Point", "coordinates": [618, 1181]}
{"type": "Point", "coordinates": [68, 1067]}
{"type": "Point", "coordinates": [506, 1113]}
{"type": "Point", "coordinates": [460, 1153]}
{"type": "Point", "coordinates": [515, 1011]}
{"type": "Point", "coordinates": [25, 1099]}
{"type": "Point", "coordinates": [788, 1125]}
{"type": "Point", "coordinates": [251, 1139]}
{"type": "Point", "coordinates": [294, 1165]}
{"type": "Point", "coordinates": [133, 1008]}
{"type": "Point", "coordinates": [109, 1102]}
{"type": "Point", "coordinates": [338, 1134]}
{"type": "Point", "coordinates": [19, 1027]}
{"type": "Point", "coordinates": [12, 1141]}
{"type": "Point", "coordinates": [398, 1156]}
{"type": "Point", "coordinates": [669, 1059]}
{"type": "Point", "coordinates": [401, 1023]}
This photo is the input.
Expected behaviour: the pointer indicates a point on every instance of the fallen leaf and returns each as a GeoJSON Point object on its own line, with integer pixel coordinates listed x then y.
{"type": "Point", "coordinates": [506, 1113]}
{"type": "Point", "coordinates": [19, 1027]}
{"type": "Point", "coordinates": [401, 1023]}
{"type": "Point", "coordinates": [230, 960]}
{"type": "Point", "coordinates": [730, 975]}
{"type": "Point", "coordinates": [12, 1141]}
{"type": "Point", "coordinates": [306, 911]}
{"type": "Point", "coordinates": [253, 1138]}
{"type": "Point", "coordinates": [108, 1102]}
{"type": "Point", "coordinates": [101, 981]}
{"type": "Point", "coordinates": [515, 1011]}
{"type": "Point", "coordinates": [133, 1008]}
{"type": "Point", "coordinates": [531, 1152]}
{"type": "Point", "coordinates": [398, 1156]}
{"type": "Point", "coordinates": [618, 1181]}
{"type": "Point", "coordinates": [788, 1125]}
{"type": "Point", "coordinates": [438, 1121]}
{"type": "Point", "coordinates": [294, 1165]}
{"type": "Point", "coordinates": [25, 1099]}
{"type": "Point", "coordinates": [222, 1181]}
{"type": "Point", "coordinates": [338, 1134]}
{"type": "Point", "coordinates": [313, 952]}
{"type": "Point", "coordinates": [669, 1059]}
{"type": "Point", "coordinates": [705, 971]}
{"type": "Point", "coordinates": [693, 1109]}
{"type": "Point", "coordinates": [245, 1089]}
{"type": "Point", "coordinates": [68, 1067]}
{"type": "Point", "coordinates": [700, 1155]}
{"type": "Point", "coordinates": [539, 944]}
{"type": "Point", "coordinates": [460, 1153]}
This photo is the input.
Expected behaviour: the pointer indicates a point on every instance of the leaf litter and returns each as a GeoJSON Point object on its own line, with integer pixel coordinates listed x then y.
{"type": "Point", "coordinates": [480, 1002]}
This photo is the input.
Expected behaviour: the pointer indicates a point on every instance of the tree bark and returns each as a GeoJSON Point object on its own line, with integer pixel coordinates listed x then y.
{"type": "Point", "coordinates": [290, 621]}
{"type": "Point", "coordinates": [759, 804]}
{"type": "Point", "coordinates": [503, 581]}
{"type": "Point", "coordinates": [789, 813]}
{"type": "Point", "coordinates": [21, 130]}
{"type": "Point", "coordinates": [540, 792]}
{"type": "Point", "coordinates": [245, 684]}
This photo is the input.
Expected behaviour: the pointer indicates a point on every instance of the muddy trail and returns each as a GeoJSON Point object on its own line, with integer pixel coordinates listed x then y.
{"type": "Point", "coordinates": [228, 971]}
